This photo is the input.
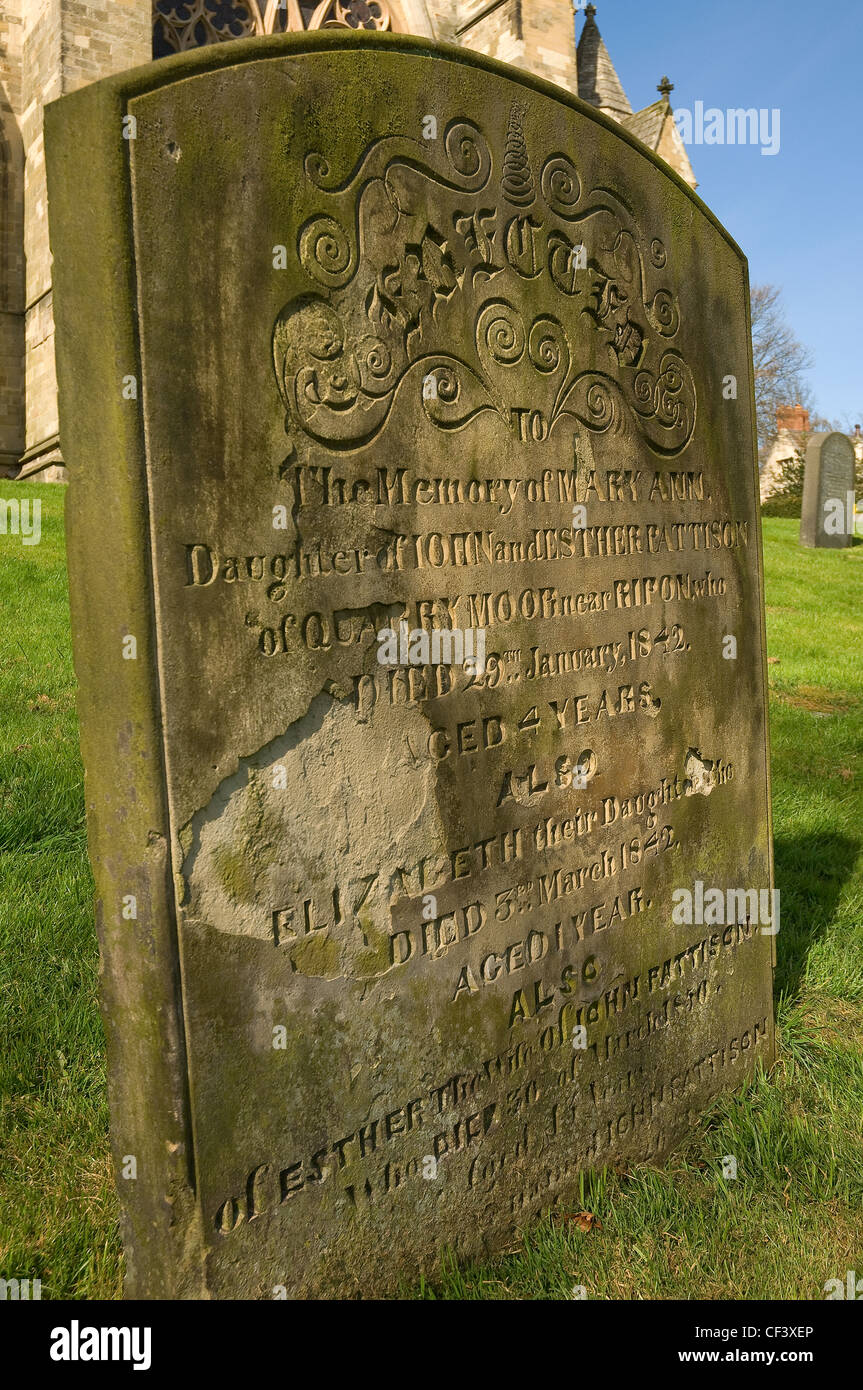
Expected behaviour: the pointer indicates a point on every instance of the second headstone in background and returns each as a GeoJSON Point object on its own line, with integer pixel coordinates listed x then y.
{"type": "Point", "coordinates": [827, 515]}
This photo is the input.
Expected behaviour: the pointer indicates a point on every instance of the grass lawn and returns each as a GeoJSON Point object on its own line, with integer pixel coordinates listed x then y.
{"type": "Point", "coordinates": [789, 1223]}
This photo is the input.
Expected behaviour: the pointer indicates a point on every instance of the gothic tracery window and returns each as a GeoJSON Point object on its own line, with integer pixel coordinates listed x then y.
{"type": "Point", "coordinates": [182, 24]}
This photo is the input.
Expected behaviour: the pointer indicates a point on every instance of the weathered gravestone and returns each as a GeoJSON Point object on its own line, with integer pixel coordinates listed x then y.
{"type": "Point", "coordinates": [356, 335]}
{"type": "Point", "coordinates": [827, 510]}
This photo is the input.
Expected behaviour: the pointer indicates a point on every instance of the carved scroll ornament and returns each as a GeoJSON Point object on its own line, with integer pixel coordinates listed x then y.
{"type": "Point", "coordinates": [488, 292]}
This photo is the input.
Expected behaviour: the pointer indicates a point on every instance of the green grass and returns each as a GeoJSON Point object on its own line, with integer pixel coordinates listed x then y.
{"type": "Point", "coordinates": [789, 1223]}
{"type": "Point", "coordinates": [58, 1209]}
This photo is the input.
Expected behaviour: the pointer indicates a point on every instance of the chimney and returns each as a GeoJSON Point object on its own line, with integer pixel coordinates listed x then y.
{"type": "Point", "coordinates": [792, 417]}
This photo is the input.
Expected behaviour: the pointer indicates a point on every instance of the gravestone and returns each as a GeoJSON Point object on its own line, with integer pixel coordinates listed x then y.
{"type": "Point", "coordinates": [417, 606]}
{"type": "Point", "coordinates": [827, 510]}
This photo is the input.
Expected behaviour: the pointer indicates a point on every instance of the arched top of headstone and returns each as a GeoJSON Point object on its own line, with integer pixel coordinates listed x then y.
{"type": "Point", "coordinates": [378, 37]}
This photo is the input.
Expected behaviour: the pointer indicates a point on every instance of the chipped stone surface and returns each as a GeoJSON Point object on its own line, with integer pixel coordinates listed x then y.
{"type": "Point", "coordinates": [412, 968]}
{"type": "Point", "coordinates": [334, 790]}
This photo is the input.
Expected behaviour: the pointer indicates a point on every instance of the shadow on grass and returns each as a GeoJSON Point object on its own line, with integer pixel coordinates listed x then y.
{"type": "Point", "coordinates": [810, 872]}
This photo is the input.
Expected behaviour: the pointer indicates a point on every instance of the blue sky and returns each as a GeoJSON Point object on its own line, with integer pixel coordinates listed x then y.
{"type": "Point", "coordinates": [798, 215]}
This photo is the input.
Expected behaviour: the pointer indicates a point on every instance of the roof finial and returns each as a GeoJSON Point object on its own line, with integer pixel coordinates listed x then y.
{"type": "Point", "coordinates": [590, 11]}
{"type": "Point", "coordinates": [665, 87]}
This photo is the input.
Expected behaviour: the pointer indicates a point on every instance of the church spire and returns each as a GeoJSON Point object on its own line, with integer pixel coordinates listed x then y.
{"type": "Point", "coordinates": [598, 83]}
